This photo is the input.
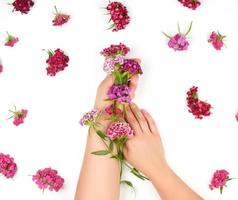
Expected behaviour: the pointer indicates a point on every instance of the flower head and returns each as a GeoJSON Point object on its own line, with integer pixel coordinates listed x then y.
{"type": "Point", "coordinates": [90, 118]}
{"type": "Point", "coordinates": [57, 62]}
{"type": "Point", "coordinates": [1, 68]}
{"type": "Point", "coordinates": [48, 179]}
{"type": "Point", "coordinates": [192, 4]}
{"type": "Point", "coordinates": [119, 15]}
{"type": "Point", "coordinates": [11, 40]}
{"type": "Point", "coordinates": [110, 110]}
{"type": "Point", "coordinates": [114, 50]}
{"type": "Point", "coordinates": [236, 116]}
{"type": "Point", "coordinates": [18, 116]}
{"type": "Point", "coordinates": [118, 130]}
{"type": "Point", "coordinates": [8, 167]}
{"type": "Point", "coordinates": [23, 6]}
{"type": "Point", "coordinates": [131, 66]}
{"type": "Point", "coordinates": [120, 93]}
{"type": "Point", "coordinates": [178, 42]}
{"type": "Point", "coordinates": [60, 18]}
{"type": "Point", "coordinates": [197, 107]}
{"type": "Point", "coordinates": [219, 180]}
{"type": "Point", "coordinates": [110, 62]}
{"type": "Point", "coordinates": [217, 40]}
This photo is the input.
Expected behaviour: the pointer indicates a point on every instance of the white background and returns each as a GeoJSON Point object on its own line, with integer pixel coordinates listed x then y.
{"type": "Point", "coordinates": [51, 135]}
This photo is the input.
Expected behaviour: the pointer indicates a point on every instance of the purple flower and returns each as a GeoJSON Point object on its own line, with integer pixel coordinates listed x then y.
{"type": "Point", "coordinates": [119, 92]}
{"type": "Point", "coordinates": [110, 63]}
{"type": "Point", "coordinates": [89, 118]}
{"type": "Point", "coordinates": [131, 66]}
{"type": "Point", "coordinates": [178, 42]}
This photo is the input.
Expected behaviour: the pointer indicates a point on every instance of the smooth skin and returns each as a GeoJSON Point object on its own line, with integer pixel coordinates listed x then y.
{"type": "Point", "coordinates": [146, 153]}
{"type": "Point", "coordinates": [100, 175]}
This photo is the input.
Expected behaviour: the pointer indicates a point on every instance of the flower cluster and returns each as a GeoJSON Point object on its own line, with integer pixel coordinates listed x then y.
{"type": "Point", "coordinates": [89, 118]}
{"type": "Point", "coordinates": [23, 6]}
{"type": "Point", "coordinates": [119, 15]}
{"type": "Point", "coordinates": [1, 68]}
{"type": "Point", "coordinates": [113, 110]}
{"type": "Point", "coordinates": [114, 50]}
{"type": "Point", "coordinates": [121, 93]}
{"type": "Point", "coordinates": [18, 116]}
{"type": "Point", "coordinates": [217, 40]}
{"type": "Point", "coordinates": [197, 107]}
{"type": "Point", "coordinates": [48, 179]}
{"type": "Point", "coordinates": [60, 18]}
{"type": "Point", "coordinates": [8, 167]}
{"type": "Point", "coordinates": [219, 180]}
{"type": "Point", "coordinates": [11, 40]}
{"type": "Point", "coordinates": [117, 130]}
{"type": "Point", "coordinates": [110, 63]}
{"type": "Point", "coordinates": [192, 4]}
{"type": "Point", "coordinates": [179, 41]}
{"type": "Point", "coordinates": [57, 62]}
{"type": "Point", "coordinates": [131, 66]}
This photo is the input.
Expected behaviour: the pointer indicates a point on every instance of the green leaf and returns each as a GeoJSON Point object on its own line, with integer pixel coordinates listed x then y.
{"type": "Point", "coordinates": [110, 148]}
{"type": "Point", "coordinates": [127, 183]}
{"type": "Point", "coordinates": [137, 174]}
{"type": "Point", "coordinates": [166, 35]}
{"type": "Point", "coordinates": [100, 153]}
{"type": "Point", "coordinates": [101, 134]}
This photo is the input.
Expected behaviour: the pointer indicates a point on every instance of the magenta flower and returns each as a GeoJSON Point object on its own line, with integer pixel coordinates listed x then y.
{"type": "Point", "coordinates": [48, 179]}
{"type": "Point", "coordinates": [110, 62]}
{"type": "Point", "coordinates": [197, 107]}
{"type": "Point", "coordinates": [118, 15]}
{"type": "Point", "coordinates": [121, 93]}
{"type": "Point", "coordinates": [18, 116]}
{"type": "Point", "coordinates": [11, 40]}
{"type": "Point", "coordinates": [117, 130]}
{"type": "Point", "coordinates": [217, 40]}
{"type": "Point", "coordinates": [110, 110]}
{"type": "Point", "coordinates": [236, 116]}
{"type": "Point", "coordinates": [8, 167]}
{"type": "Point", "coordinates": [1, 68]}
{"type": "Point", "coordinates": [179, 41]}
{"type": "Point", "coordinates": [114, 50]}
{"type": "Point", "coordinates": [131, 66]}
{"type": "Point", "coordinates": [60, 18]}
{"type": "Point", "coordinates": [192, 4]}
{"type": "Point", "coordinates": [90, 118]}
{"type": "Point", "coordinates": [219, 180]}
{"type": "Point", "coordinates": [23, 6]}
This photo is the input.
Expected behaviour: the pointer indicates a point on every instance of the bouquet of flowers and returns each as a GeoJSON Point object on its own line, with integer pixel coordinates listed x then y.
{"type": "Point", "coordinates": [118, 131]}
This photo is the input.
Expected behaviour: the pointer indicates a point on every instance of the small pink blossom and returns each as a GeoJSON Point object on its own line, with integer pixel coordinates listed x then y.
{"type": "Point", "coordinates": [11, 40]}
{"type": "Point", "coordinates": [219, 180]}
{"type": "Point", "coordinates": [60, 18]}
{"type": "Point", "coordinates": [236, 116]}
{"type": "Point", "coordinates": [18, 116]}
{"type": "Point", "coordinates": [8, 167]}
{"type": "Point", "coordinates": [110, 110]}
{"type": "Point", "coordinates": [110, 62]}
{"type": "Point", "coordinates": [217, 40]}
{"type": "Point", "coordinates": [117, 130]}
{"type": "Point", "coordinates": [90, 118]}
{"type": "Point", "coordinates": [1, 68]}
{"type": "Point", "coordinates": [48, 179]}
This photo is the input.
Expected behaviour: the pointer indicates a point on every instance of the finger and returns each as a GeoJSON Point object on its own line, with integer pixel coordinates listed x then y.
{"type": "Point", "coordinates": [107, 82]}
{"type": "Point", "coordinates": [133, 85]}
{"type": "Point", "coordinates": [140, 118]}
{"type": "Point", "coordinates": [151, 123]}
{"type": "Point", "coordinates": [130, 118]}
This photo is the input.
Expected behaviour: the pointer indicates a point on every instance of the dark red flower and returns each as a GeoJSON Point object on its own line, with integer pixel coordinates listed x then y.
{"type": "Point", "coordinates": [192, 4]}
{"type": "Point", "coordinates": [119, 15]}
{"type": "Point", "coordinates": [115, 49]}
{"type": "Point", "coordinates": [57, 62]}
{"type": "Point", "coordinates": [197, 107]}
{"type": "Point", "coordinates": [23, 6]}
{"type": "Point", "coordinates": [60, 18]}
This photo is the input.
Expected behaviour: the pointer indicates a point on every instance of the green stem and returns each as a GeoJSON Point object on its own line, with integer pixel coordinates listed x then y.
{"type": "Point", "coordinates": [189, 29]}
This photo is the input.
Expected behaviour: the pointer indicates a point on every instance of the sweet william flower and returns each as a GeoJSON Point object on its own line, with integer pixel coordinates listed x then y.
{"type": "Point", "coordinates": [11, 40]}
{"type": "Point", "coordinates": [23, 6]}
{"type": "Point", "coordinates": [216, 39]}
{"type": "Point", "coordinates": [131, 66]}
{"type": "Point", "coordinates": [115, 49]}
{"type": "Point", "coordinates": [8, 167]}
{"type": "Point", "coordinates": [236, 116]}
{"type": "Point", "coordinates": [1, 68]}
{"type": "Point", "coordinates": [110, 110]}
{"type": "Point", "coordinates": [117, 130]}
{"type": "Point", "coordinates": [219, 180]}
{"type": "Point", "coordinates": [121, 93]}
{"type": "Point", "coordinates": [192, 4]}
{"type": "Point", "coordinates": [179, 42]}
{"type": "Point", "coordinates": [90, 118]}
{"type": "Point", "coordinates": [18, 116]}
{"type": "Point", "coordinates": [60, 18]}
{"type": "Point", "coordinates": [110, 62]}
{"type": "Point", "coordinates": [197, 107]}
{"type": "Point", "coordinates": [48, 178]}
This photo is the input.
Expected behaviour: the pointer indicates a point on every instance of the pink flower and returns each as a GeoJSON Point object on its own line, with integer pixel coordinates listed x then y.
{"type": "Point", "coordinates": [217, 40]}
{"type": "Point", "coordinates": [192, 4]}
{"type": "Point", "coordinates": [114, 50]}
{"type": "Point", "coordinates": [110, 110]}
{"type": "Point", "coordinates": [117, 130]}
{"type": "Point", "coordinates": [236, 116]}
{"type": "Point", "coordinates": [11, 40]}
{"type": "Point", "coordinates": [48, 179]}
{"type": "Point", "coordinates": [179, 41]}
{"type": "Point", "coordinates": [119, 15]}
{"type": "Point", "coordinates": [1, 68]}
{"type": "Point", "coordinates": [23, 6]}
{"type": "Point", "coordinates": [120, 93]}
{"type": "Point", "coordinates": [110, 63]}
{"type": "Point", "coordinates": [131, 66]}
{"type": "Point", "coordinates": [57, 62]}
{"type": "Point", "coordinates": [197, 107]}
{"type": "Point", "coordinates": [60, 18]}
{"type": "Point", "coordinates": [8, 167]}
{"type": "Point", "coordinates": [90, 118]}
{"type": "Point", "coordinates": [18, 116]}
{"type": "Point", "coordinates": [219, 180]}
